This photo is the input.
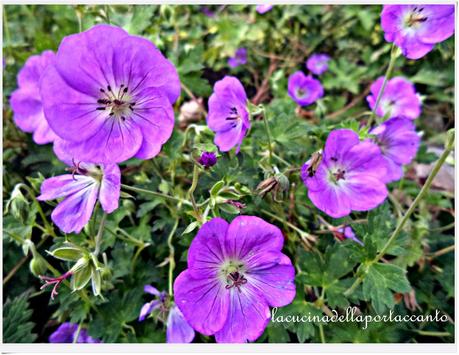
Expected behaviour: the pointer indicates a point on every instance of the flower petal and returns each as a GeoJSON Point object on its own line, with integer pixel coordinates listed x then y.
{"type": "Point", "coordinates": [64, 185]}
{"type": "Point", "coordinates": [110, 188]}
{"type": "Point", "coordinates": [178, 329]}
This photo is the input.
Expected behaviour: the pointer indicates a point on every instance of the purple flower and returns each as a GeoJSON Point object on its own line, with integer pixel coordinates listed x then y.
{"type": "Point", "coordinates": [109, 95]}
{"type": "Point", "coordinates": [346, 232]}
{"type": "Point", "coordinates": [178, 330]}
{"type": "Point", "coordinates": [416, 28]}
{"type": "Point", "coordinates": [235, 272]}
{"type": "Point", "coordinates": [304, 90]}
{"type": "Point", "coordinates": [207, 11]}
{"type": "Point", "coordinates": [348, 178]}
{"type": "Point", "coordinates": [240, 58]}
{"type": "Point", "coordinates": [228, 116]}
{"type": "Point", "coordinates": [66, 334]}
{"type": "Point", "coordinates": [80, 190]}
{"type": "Point", "coordinates": [318, 63]}
{"type": "Point", "coordinates": [26, 101]}
{"type": "Point", "coordinates": [399, 98]}
{"type": "Point", "coordinates": [261, 9]}
{"type": "Point", "coordinates": [208, 159]}
{"type": "Point", "coordinates": [399, 143]}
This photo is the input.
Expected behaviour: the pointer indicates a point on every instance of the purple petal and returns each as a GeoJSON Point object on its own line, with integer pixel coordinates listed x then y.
{"type": "Point", "coordinates": [151, 290]}
{"type": "Point", "coordinates": [331, 201]}
{"type": "Point", "coordinates": [64, 333]}
{"type": "Point", "coordinates": [64, 185]}
{"type": "Point", "coordinates": [339, 141]}
{"type": "Point", "coordinates": [365, 192]}
{"type": "Point", "coordinates": [203, 301]}
{"type": "Point", "coordinates": [110, 188]}
{"type": "Point", "coordinates": [178, 329]}
{"type": "Point", "coordinates": [147, 308]}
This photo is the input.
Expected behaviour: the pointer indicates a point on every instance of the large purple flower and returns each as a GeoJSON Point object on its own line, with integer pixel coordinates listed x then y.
{"type": "Point", "coordinates": [109, 95]}
{"type": "Point", "coordinates": [235, 272]}
{"type": "Point", "coordinates": [228, 116]}
{"type": "Point", "coordinates": [350, 176]}
{"type": "Point", "coordinates": [399, 98]}
{"type": "Point", "coordinates": [416, 28]}
{"type": "Point", "coordinates": [178, 330]}
{"type": "Point", "coordinates": [66, 334]}
{"type": "Point", "coordinates": [399, 143]}
{"type": "Point", "coordinates": [80, 190]}
{"type": "Point", "coordinates": [26, 101]}
{"type": "Point", "coordinates": [318, 63]}
{"type": "Point", "coordinates": [240, 58]}
{"type": "Point", "coordinates": [304, 90]}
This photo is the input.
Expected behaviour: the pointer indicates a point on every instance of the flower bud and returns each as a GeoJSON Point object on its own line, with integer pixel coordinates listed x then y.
{"type": "Point", "coordinates": [207, 159]}
{"type": "Point", "coordinates": [37, 266]}
{"type": "Point", "coordinates": [18, 204]}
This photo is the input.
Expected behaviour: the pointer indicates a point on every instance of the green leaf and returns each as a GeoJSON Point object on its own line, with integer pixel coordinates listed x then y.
{"type": "Point", "coordinates": [67, 253]}
{"type": "Point", "coordinates": [17, 327]}
{"type": "Point", "coordinates": [379, 282]}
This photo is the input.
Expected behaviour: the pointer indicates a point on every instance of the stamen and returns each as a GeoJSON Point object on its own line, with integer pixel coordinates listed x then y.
{"type": "Point", "coordinates": [56, 281]}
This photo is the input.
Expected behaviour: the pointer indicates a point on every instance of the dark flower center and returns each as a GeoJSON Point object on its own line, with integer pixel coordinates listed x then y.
{"type": "Point", "coordinates": [300, 93]}
{"type": "Point", "coordinates": [235, 279]}
{"type": "Point", "coordinates": [416, 17]}
{"type": "Point", "coordinates": [233, 116]}
{"type": "Point", "coordinates": [339, 174]}
{"type": "Point", "coordinates": [118, 102]}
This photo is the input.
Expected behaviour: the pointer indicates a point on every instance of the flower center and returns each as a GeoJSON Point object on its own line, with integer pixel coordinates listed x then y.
{"type": "Point", "coordinates": [93, 171]}
{"type": "Point", "coordinates": [233, 116]}
{"type": "Point", "coordinates": [118, 102]}
{"type": "Point", "coordinates": [337, 173]}
{"type": "Point", "coordinates": [416, 17]}
{"type": "Point", "coordinates": [300, 93]}
{"type": "Point", "coordinates": [233, 274]}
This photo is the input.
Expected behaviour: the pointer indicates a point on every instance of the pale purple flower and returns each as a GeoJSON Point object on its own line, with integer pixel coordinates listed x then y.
{"type": "Point", "coordinates": [178, 329]}
{"type": "Point", "coordinates": [26, 101]}
{"type": "Point", "coordinates": [67, 332]}
{"type": "Point", "coordinates": [304, 90]}
{"type": "Point", "coordinates": [207, 159]}
{"type": "Point", "coordinates": [235, 273]}
{"type": "Point", "coordinates": [109, 95]}
{"type": "Point", "coordinates": [80, 191]}
{"type": "Point", "coordinates": [262, 9]}
{"type": "Point", "coordinates": [228, 116]}
{"type": "Point", "coordinates": [399, 98]}
{"type": "Point", "coordinates": [347, 232]}
{"type": "Point", "coordinates": [240, 58]}
{"type": "Point", "coordinates": [350, 176]}
{"type": "Point", "coordinates": [416, 28]}
{"type": "Point", "coordinates": [399, 143]}
{"type": "Point", "coordinates": [318, 63]}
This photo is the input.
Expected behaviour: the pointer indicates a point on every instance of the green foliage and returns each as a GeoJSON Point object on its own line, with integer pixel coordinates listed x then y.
{"type": "Point", "coordinates": [17, 327]}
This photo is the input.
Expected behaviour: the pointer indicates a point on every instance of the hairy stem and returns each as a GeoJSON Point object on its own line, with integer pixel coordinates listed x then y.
{"type": "Point", "coordinates": [268, 134]}
{"type": "Point", "coordinates": [194, 184]}
{"type": "Point", "coordinates": [157, 194]}
{"type": "Point", "coordinates": [171, 256]}
{"type": "Point", "coordinates": [99, 235]}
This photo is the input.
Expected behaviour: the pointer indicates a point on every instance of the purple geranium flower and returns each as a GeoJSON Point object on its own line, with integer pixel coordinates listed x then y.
{"type": "Point", "coordinates": [416, 28]}
{"type": "Point", "coordinates": [81, 189]}
{"type": "Point", "coordinates": [26, 101]}
{"type": "Point", "coordinates": [399, 98]}
{"type": "Point", "coordinates": [109, 95]}
{"type": "Point", "coordinates": [346, 232]}
{"type": "Point", "coordinates": [66, 334]}
{"type": "Point", "coordinates": [399, 143]}
{"type": "Point", "coordinates": [262, 9]}
{"type": "Point", "coordinates": [318, 63]}
{"type": "Point", "coordinates": [228, 116]}
{"type": "Point", "coordinates": [208, 159]}
{"type": "Point", "coordinates": [178, 330]}
{"type": "Point", "coordinates": [304, 90]}
{"type": "Point", "coordinates": [235, 272]}
{"type": "Point", "coordinates": [240, 58]}
{"type": "Point", "coordinates": [348, 178]}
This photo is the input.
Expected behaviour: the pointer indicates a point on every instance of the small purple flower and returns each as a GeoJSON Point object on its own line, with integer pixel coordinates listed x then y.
{"type": "Point", "coordinates": [80, 190]}
{"type": "Point", "coordinates": [346, 232]}
{"type": "Point", "coordinates": [304, 90]}
{"type": "Point", "coordinates": [399, 142]}
{"type": "Point", "coordinates": [207, 11]}
{"type": "Point", "coordinates": [235, 272]}
{"type": "Point", "coordinates": [109, 95]}
{"type": "Point", "coordinates": [66, 334]}
{"type": "Point", "coordinates": [262, 9]}
{"type": "Point", "coordinates": [208, 159]}
{"type": "Point", "coordinates": [228, 116]}
{"type": "Point", "coordinates": [26, 101]}
{"type": "Point", "coordinates": [318, 63]}
{"type": "Point", "coordinates": [416, 28]}
{"type": "Point", "coordinates": [178, 330]}
{"type": "Point", "coordinates": [399, 98]}
{"type": "Point", "coordinates": [240, 58]}
{"type": "Point", "coordinates": [349, 177]}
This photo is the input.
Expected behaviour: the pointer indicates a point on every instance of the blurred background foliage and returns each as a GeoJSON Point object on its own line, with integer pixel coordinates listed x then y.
{"type": "Point", "coordinates": [199, 40]}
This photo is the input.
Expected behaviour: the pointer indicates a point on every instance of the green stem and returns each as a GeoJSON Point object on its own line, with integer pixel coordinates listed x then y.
{"type": "Point", "coordinates": [107, 14]}
{"type": "Point", "coordinates": [171, 256]}
{"type": "Point", "coordinates": [387, 75]}
{"type": "Point", "coordinates": [47, 225]}
{"type": "Point", "coordinates": [99, 235]}
{"type": "Point", "coordinates": [194, 184]}
{"type": "Point", "coordinates": [322, 335]}
{"type": "Point", "coordinates": [157, 194]}
{"type": "Point", "coordinates": [449, 147]}
{"type": "Point", "coordinates": [268, 134]}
